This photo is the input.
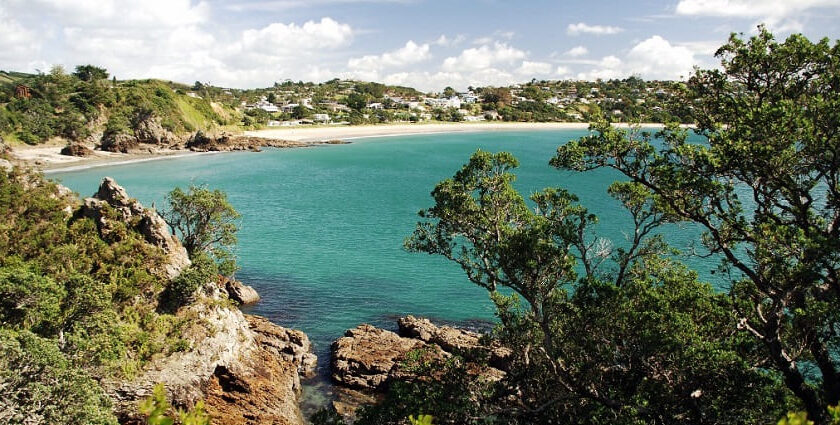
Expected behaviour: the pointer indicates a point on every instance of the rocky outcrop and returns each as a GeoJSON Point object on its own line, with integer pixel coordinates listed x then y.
{"type": "Point", "coordinates": [119, 142]}
{"type": "Point", "coordinates": [240, 292]}
{"type": "Point", "coordinates": [202, 142]}
{"type": "Point", "coordinates": [454, 340]}
{"type": "Point", "coordinates": [246, 369]}
{"type": "Point", "coordinates": [76, 149]}
{"type": "Point", "coordinates": [368, 358]}
{"type": "Point", "coordinates": [150, 131]}
{"type": "Point", "coordinates": [146, 221]}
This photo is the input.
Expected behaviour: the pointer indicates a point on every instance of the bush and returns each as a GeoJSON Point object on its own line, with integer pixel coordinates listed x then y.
{"type": "Point", "coordinates": [40, 385]}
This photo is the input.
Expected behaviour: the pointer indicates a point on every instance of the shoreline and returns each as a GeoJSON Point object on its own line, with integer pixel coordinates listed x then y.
{"type": "Point", "coordinates": [48, 159]}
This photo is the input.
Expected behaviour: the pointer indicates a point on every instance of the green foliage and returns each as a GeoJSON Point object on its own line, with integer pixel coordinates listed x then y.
{"type": "Point", "coordinates": [39, 384]}
{"type": "Point", "coordinates": [90, 73]}
{"type": "Point", "coordinates": [157, 409]}
{"type": "Point", "coordinates": [445, 388]}
{"type": "Point", "coordinates": [202, 271]}
{"type": "Point", "coordinates": [76, 299]}
{"type": "Point", "coordinates": [619, 335]}
{"type": "Point", "coordinates": [765, 191]}
{"type": "Point", "coordinates": [206, 222]}
{"type": "Point", "coordinates": [421, 420]}
{"type": "Point", "coordinates": [29, 301]}
{"type": "Point", "coordinates": [801, 418]}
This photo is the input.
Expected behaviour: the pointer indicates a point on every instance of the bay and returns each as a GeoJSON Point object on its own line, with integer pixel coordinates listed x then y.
{"type": "Point", "coordinates": [322, 228]}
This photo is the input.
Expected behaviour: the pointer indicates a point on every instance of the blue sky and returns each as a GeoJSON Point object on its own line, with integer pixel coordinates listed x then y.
{"type": "Point", "coordinates": [427, 44]}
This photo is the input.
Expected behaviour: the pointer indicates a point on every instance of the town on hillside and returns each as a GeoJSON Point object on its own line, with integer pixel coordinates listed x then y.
{"type": "Point", "coordinates": [91, 105]}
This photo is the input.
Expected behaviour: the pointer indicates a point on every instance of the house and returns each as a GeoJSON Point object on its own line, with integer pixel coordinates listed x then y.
{"type": "Point", "coordinates": [473, 118]}
{"type": "Point", "coordinates": [266, 106]}
{"type": "Point", "coordinates": [376, 105]}
{"type": "Point", "coordinates": [468, 98]}
{"type": "Point", "coordinates": [22, 92]}
{"type": "Point", "coordinates": [320, 117]}
{"type": "Point", "coordinates": [273, 123]}
{"type": "Point", "coordinates": [289, 107]}
{"type": "Point", "coordinates": [193, 95]}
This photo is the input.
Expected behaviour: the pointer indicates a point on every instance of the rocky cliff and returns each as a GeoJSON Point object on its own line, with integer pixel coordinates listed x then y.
{"type": "Point", "coordinates": [247, 369]}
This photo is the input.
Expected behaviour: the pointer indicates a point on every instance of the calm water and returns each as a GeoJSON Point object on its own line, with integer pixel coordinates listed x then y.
{"type": "Point", "coordinates": [322, 228]}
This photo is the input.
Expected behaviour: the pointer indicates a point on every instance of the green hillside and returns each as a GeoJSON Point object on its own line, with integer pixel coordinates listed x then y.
{"type": "Point", "coordinates": [83, 105]}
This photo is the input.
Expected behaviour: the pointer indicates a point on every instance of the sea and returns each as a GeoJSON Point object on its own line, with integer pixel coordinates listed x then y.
{"type": "Point", "coordinates": [322, 228]}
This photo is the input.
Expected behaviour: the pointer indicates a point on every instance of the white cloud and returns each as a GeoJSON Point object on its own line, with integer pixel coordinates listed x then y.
{"type": "Point", "coordinates": [577, 51]}
{"type": "Point", "coordinates": [408, 54]}
{"type": "Point", "coordinates": [533, 69]}
{"type": "Point", "coordinates": [654, 58]}
{"type": "Point", "coordinates": [119, 14]}
{"type": "Point", "coordinates": [582, 28]}
{"type": "Point", "coordinates": [781, 15]}
{"type": "Point", "coordinates": [563, 71]}
{"type": "Point", "coordinates": [327, 33]}
{"type": "Point", "coordinates": [445, 41]}
{"type": "Point", "coordinates": [480, 58]}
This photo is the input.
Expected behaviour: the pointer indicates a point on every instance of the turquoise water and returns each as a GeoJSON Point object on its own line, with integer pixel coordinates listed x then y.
{"type": "Point", "coordinates": [323, 227]}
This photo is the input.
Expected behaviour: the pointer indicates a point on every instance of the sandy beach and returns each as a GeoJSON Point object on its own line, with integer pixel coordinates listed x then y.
{"type": "Point", "coordinates": [48, 157]}
{"type": "Point", "coordinates": [314, 134]}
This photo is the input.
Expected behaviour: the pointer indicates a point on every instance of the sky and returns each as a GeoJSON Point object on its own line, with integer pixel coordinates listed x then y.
{"type": "Point", "coordinates": [427, 44]}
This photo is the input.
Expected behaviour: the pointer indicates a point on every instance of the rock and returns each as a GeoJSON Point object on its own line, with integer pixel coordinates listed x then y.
{"type": "Point", "coordinates": [76, 149]}
{"type": "Point", "coordinates": [146, 221]}
{"type": "Point", "coordinates": [149, 130]}
{"type": "Point", "coordinates": [448, 338]}
{"type": "Point", "coordinates": [119, 142]}
{"type": "Point", "coordinates": [454, 340]}
{"type": "Point", "coordinates": [245, 368]}
{"type": "Point", "coordinates": [202, 142]}
{"type": "Point", "coordinates": [5, 165]}
{"type": "Point", "coordinates": [290, 344]}
{"type": "Point", "coordinates": [365, 356]}
{"type": "Point", "coordinates": [240, 292]}
{"type": "Point", "coordinates": [368, 358]}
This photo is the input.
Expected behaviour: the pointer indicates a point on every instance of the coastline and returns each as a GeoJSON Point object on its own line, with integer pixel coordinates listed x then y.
{"type": "Point", "coordinates": [48, 158]}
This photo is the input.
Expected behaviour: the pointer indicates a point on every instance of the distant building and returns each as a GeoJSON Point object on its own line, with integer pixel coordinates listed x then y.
{"type": "Point", "coordinates": [22, 92]}
{"type": "Point", "coordinates": [375, 106]}
{"type": "Point", "coordinates": [321, 117]}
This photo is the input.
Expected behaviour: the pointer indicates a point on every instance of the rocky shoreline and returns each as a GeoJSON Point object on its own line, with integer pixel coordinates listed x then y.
{"type": "Point", "coordinates": [247, 369]}
{"type": "Point", "coordinates": [366, 360]}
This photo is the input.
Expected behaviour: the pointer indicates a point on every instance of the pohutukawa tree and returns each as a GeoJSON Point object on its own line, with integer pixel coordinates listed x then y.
{"type": "Point", "coordinates": [206, 222]}
{"type": "Point", "coordinates": [766, 190]}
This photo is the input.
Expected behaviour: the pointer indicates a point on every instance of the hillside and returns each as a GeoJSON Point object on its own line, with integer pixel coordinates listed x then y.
{"type": "Point", "coordinates": [86, 106]}
{"type": "Point", "coordinates": [120, 116]}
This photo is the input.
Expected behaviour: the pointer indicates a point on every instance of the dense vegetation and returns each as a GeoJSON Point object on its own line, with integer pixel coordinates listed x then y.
{"type": "Point", "coordinates": [85, 104]}
{"type": "Point", "coordinates": [624, 333]}
{"type": "Point", "coordinates": [81, 301]}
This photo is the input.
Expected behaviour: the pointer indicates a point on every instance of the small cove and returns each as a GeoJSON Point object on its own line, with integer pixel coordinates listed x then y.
{"type": "Point", "coordinates": [322, 227]}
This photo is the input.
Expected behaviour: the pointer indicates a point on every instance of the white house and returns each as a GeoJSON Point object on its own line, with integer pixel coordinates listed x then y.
{"type": "Point", "coordinates": [321, 117]}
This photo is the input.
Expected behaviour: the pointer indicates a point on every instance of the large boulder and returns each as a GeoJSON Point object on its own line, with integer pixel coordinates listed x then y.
{"type": "Point", "coordinates": [76, 149]}
{"type": "Point", "coordinates": [365, 357]}
{"type": "Point", "coordinates": [369, 358]}
{"type": "Point", "coordinates": [146, 221]}
{"type": "Point", "coordinates": [119, 142]}
{"type": "Point", "coordinates": [454, 340]}
{"type": "Point", "coordinates": [240, 292]}
{"type": "Point", "coordinates": [149, 130]}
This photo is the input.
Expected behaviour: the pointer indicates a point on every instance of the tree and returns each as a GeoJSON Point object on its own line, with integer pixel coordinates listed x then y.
{"type": "Point", "coordinates": [766, 190]}
{"type": "Point", "coordinates": [618, 335]}
{"type": "Point", "coordinates": [300, 112]}
{"type": "Point", "coordinates": [448, 92]}
{"type": "Point", "coordinates": [206, 222]}
{"type": "Point", "coordinates": [90, 73]}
